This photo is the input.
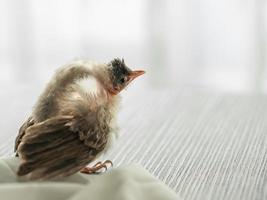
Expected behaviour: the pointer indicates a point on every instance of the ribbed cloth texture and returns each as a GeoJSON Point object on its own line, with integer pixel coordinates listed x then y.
{"type": "Point", "coordinates": [202, 145]}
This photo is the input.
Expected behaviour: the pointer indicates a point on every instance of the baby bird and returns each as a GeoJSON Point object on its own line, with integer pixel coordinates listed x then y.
{"type": "Point", "coordinates": [73, 122]}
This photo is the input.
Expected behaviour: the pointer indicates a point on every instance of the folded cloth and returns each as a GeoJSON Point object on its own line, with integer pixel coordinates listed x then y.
{"type": "Point", "coordinates": [124, 183]}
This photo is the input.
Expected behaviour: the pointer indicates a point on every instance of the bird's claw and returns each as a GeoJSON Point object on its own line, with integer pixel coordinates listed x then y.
{"type": "Point", "coordinates": [96, 167]}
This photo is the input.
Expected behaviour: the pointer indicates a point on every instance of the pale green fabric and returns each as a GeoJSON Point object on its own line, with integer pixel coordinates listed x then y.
{"type": "Point", "coordinates": [125, 183]}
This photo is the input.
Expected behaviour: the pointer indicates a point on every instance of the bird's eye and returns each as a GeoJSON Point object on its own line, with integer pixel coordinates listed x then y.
{"type": "Point", "coordinates": [122, 80]}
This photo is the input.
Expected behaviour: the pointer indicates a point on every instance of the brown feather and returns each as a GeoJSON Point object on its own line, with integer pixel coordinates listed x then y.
{"type": "Point", "coordinates": [55, 150]}
{"type": "Point", "coordinates": [22, 130]}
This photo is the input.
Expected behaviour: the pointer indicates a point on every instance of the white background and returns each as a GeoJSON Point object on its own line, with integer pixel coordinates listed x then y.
{"type": "Point", "coordinates": [215, 44]}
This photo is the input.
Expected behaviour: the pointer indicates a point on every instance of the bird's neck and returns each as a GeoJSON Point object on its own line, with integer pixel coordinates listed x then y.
{"type": "Point", "coordinates": [93, 86]}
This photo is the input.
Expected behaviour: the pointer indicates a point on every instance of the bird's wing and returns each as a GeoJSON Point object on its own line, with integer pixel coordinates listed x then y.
{"type": "Point", "coordinates": [53, 148]}
{"type": "Point", "coordinates": [22, 130]}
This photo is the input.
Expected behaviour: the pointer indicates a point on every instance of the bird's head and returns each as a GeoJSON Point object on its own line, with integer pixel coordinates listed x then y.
{"type": "Point", "coordinates": [120, 76]}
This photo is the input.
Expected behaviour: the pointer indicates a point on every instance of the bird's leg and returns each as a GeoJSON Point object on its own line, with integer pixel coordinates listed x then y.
{"type": "Point", "coordinates": [96, 167]}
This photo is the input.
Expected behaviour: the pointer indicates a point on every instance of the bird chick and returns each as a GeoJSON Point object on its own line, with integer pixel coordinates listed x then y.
{"type": "Point", "coordinates": [73, 121]}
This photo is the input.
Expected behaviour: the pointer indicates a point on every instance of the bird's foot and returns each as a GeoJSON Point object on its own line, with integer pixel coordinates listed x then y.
{"type": "Point", "coordinates": [95, 169]}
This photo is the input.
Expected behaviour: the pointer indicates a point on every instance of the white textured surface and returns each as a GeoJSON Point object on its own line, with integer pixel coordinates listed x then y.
{"type": "Point", "coordinates": [124, 183]}
{"type": "Point", "coordinates": [204, 146]}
